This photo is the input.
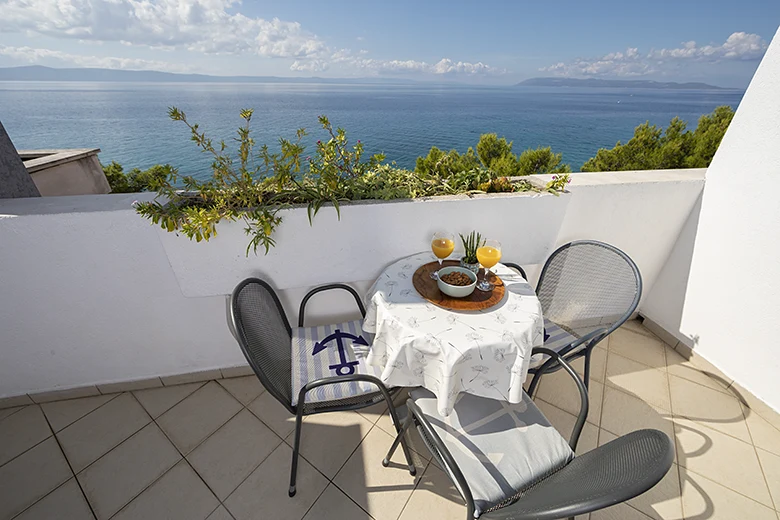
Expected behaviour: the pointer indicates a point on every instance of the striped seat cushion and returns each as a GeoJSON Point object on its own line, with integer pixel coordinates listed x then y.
{"type": "Point", "coordinates": [555, 338]}
{"type": "Point", "coordinates": [329, 351]}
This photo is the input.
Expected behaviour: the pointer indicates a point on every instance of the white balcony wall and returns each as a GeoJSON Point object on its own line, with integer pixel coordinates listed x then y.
{"type": "Point", "coordinates": [724, 279]}
{"type": "Point", "coordinates": [90, 293]}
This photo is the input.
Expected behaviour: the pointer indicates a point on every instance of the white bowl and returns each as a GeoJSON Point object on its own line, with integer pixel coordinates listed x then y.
{"type": "Point", "coordinates": [457, 291]}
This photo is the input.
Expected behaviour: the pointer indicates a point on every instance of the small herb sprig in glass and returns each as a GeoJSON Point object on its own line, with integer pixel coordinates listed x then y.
{"type": "Point", "coordinates": [471, 243]}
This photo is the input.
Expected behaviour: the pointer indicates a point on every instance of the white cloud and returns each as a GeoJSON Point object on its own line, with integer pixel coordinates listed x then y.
{"type": "Point", "coordinates": [445, 66]}
{"type": "Point", "coordinates": [198, 25]}
{"type": "Point", "coordinates": [309, 66]}
{"type": "Point", "coordinates": [738, 46]}
{"type": "Point", "coordinates": [32, 55]}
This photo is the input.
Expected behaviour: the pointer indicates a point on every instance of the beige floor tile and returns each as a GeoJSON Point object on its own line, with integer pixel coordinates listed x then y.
{"type": "Point", "coordinates": [373, 413]}
{"type": "Point", "coordinates": [598, 365]}
{"type": "Point", "coordinates": [245, 389]}
{"type": "Point", "coordinates": [226, 458]}
{"type": "Point", "coordinates": [328, 439]}
{"type": "Point", "coordinates": [434, 497]}
{"type": "Point", "coordinates": [64, 413]}
{"type": "Point", "coordinates": [65, 502]}
{"type": "Point", "coordinates": [380, 491]}
{"type": "Point", "coordinates": [559, 389]}
{"type": "Point", "coordinates": [606, 436]}
{"type": "Point", "coordinates": [96, 433]}
{"type": "Point", "coordinates": [647, 350]}
{"type": "Point", "coordinates": [179, 494]}
{"type": "Point", "coordinates": [704, 499]}
{"type": "Point", "coordinates": [636, 326]}
{"type": "Point", "coordinates": [649, 384]}
{"type": "Point", "coordinates": [31, 476]}
{"type": "Point", "coordinates": [22, 431]}
{"type": "Point", "coordinates": [157, 401]}
{"type": "Point", "coordinates": [764, 435]}
{"type": "Point", "coordinates": [564, 422]}
{"type": "Point", "coordinates": [220, 514]}
{"type": "Point", "coordinates": [721, 458]}
{"type": "Point", "coordinates": [125, 471]}
{"type": "Point", "coordinates": [6, 412]}
{"type": "Point", "coordinates": [273, 414]}
{"type": "Point", "coordinates": [188, 423]}
{"type": "Point", "coordinates": [663, 501]}
{"type": "Point", "coordinates": [770, 463]}
{"type": "Point", "coordinates": [679, 366]}
{"type": "Point", "coordinates": [704, 405]}
{"type": "Point", "coordinates": [335, 505]}
{"type": "Point", "coordinates": [703, 364]}
{"type": "Point", "coordinates": [263, 495]}
{"type": "Point", "coordinates": [624, 413]}
{"type": "Point", "coordinates": [618, 512]}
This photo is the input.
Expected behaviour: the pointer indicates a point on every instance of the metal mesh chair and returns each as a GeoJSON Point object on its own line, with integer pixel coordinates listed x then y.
{"type": "Point", "coordinates": [259, 323]}
{"type": "Point", "coordinates": [587, 290]}
{"type": "Point", "coordinates": [605, 476]}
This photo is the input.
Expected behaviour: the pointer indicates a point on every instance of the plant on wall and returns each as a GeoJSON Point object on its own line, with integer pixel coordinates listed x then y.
{"type": "Point", "coordinates": [258, 184]}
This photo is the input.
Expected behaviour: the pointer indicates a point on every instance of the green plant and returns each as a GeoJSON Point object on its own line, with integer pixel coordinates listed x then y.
{"type": "Point", "coordinates": [136, 180]}
{"type": "Point", "coordinates": [653, 148]}
{"type": "Point", "coordinates": [558, 183]}
{"type": "Point", "coordinates": [471, 243]}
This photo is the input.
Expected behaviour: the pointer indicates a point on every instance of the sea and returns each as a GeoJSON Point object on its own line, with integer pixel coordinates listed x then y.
{"type": "Point", "coordinates": [129, 121]}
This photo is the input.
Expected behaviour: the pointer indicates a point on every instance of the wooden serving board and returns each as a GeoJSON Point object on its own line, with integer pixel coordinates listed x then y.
{"type": "Point", "coordinates": [476, 301]}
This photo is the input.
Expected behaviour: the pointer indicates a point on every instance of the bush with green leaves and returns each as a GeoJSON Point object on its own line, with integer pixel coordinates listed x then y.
{"type": "Point", "coordinates": [256, 185]}
{"type": "Point", "coordinates": [652, 148]}
{"type": "Point", "coordinates": [494, 154]}
{"type": "Point", "coordinates": [136, 180]}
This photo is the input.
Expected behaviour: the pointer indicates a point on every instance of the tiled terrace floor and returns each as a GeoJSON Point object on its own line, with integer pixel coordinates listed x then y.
{"type": "Point", "coordinates": [218, 450]}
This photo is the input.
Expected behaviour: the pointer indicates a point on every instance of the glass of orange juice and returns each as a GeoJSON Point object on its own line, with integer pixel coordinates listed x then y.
{"type": "Point", "coordinates": [488, 255]}
{"type": "Point", "coordinates": [442, 245]}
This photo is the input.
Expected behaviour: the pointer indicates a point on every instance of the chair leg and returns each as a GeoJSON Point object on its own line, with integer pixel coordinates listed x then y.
{"type": "Point", "coordinates": [296, 449]}
{"type": "Point", "coordinates": [399, 428]}
{"type": "Point", "coordinates": [400, 440]}
{"type": "Point", "coordinates": [586, 372]}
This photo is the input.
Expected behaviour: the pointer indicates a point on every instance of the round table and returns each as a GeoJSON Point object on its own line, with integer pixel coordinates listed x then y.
{"type": "Point", "coordinates": [416, 343]}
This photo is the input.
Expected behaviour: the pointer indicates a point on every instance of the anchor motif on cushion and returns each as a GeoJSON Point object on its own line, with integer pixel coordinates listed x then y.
{"type": "Point", "coordinates": [345, 367]}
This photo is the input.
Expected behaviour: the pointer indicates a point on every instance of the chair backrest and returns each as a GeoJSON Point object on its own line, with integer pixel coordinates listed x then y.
{"type": "Point", "coordinates": [264, 335]}
{"type": "Point", "coordinates": [586, 285]}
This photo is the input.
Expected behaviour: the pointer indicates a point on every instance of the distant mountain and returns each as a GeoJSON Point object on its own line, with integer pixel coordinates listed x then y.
{"type": "Point", "coordinates": [614, 83]}
{"type": "Point", "coordinates": [40, 73]}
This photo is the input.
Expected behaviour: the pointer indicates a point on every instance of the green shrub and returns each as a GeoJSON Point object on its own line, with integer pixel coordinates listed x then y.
{"type": "Point", "coordinates": [136, 180]}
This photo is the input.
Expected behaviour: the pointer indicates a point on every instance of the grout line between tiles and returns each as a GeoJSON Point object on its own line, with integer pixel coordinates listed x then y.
{"type": "Point", "coordinates": [145, 488]}
{"type": "Point", "coordinates": [733, 490]}
{"type": "Point", "coordinates": [20, 408]}
{"type": "Point", "coordinates": [417, 483]}
{"type": "Point", "coordinates": [70, 467]}
{"type": "Point", "coordinates": [674, 432]}
{"type": "Point", "coordinates": [775, 503]}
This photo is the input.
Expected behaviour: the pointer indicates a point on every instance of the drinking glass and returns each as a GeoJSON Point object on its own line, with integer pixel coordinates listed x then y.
{"type": "Point", "coordinates": [488, 255]}
{"type": "Point", "coordinates": [442, 245]}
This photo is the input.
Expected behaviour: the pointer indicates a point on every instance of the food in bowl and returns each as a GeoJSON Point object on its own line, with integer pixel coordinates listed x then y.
{"type": "Point", "coordinates": [463, 281]}
{"type": "Point", "coordinates": [455, 278]}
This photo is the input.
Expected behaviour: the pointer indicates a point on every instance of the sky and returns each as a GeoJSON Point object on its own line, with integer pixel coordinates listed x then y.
{"type": "Point", "coordinates": [489, 42]}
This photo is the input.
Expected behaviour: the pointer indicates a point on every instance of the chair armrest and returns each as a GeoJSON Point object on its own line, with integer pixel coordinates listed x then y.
{"type": "Point", "coordinates": [517, 268]}
{"type": "Point", "coordinates": [328, 287]}
{"type": "Point", "coordinates": [608, 475]}
{"type": "Point", "coordinates": [555, 357]}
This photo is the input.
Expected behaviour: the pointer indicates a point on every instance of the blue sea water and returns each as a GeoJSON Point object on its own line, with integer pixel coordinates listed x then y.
{"type": "Point", "coordinates": [129, 123]}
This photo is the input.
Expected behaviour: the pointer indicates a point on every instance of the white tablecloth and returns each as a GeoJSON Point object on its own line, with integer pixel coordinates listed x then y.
{"type": "Point", "coordinates": [417, 343]}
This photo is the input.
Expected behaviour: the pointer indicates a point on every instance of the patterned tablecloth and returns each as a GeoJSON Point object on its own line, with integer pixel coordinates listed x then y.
{"type": "Point", "coordinates": [417, 343]}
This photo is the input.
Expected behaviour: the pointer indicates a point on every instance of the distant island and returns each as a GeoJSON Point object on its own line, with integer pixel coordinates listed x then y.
{"type": "Point", "coordinates": [41, 73]}
{"type": "Point", "coordinates": [615, 83]}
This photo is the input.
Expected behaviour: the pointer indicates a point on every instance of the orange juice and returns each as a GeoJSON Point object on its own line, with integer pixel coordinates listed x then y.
{"type": "Point", "coordinates": [442, 247]}
{"type": "Point", "coordinates": [488, 256]}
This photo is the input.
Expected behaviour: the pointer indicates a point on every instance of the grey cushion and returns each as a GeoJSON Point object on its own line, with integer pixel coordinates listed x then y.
{"type": "Point", "coordinates": [500, 448]}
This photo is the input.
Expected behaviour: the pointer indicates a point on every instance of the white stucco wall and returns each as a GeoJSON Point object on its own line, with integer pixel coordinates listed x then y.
{"type": "Point", "coordinates": [90, 293]}
{"type": "Point", "coordinates": [732, 301]}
